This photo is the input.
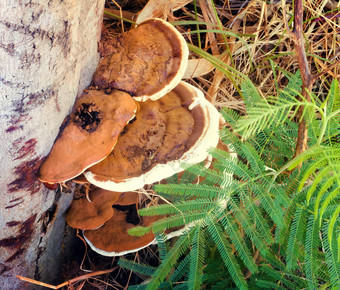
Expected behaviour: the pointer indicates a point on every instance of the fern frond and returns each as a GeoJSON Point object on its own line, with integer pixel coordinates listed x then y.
{"type": "Point", "coordinates": [177, 220]}
{"type": "Point", "coordinates": [181, 286]}
{"type": "Point", "coordinates": [143, 269]}
{"type": "Point", "coordinates": [250, 93]}
{"type": "Point", "coordinates": [229, 115]}
{"type": "Point", "coordinates": [248, 226]}
{"type": "Point", "coordinates": [181, 269]}
{"type": "Point", "coordinates": [239, 244]}
{"type": "Point", "coordinates": [294, 83]}
{"type": "Point", "coordinates": [333, 193]}
{"type": "Point", "coordinates": [162, 247]}
{"type": "Point", "coordinates": [296, 235]}
{"type": "Point", "coordinates": [196, 259]}
{"type": "Point", "coordinates": [215, 177]}
{"type": "Point", "coordinates": [225, 251]}
{"type": "Point", "coordinates": [260, 283]}
{"type": "Point", "coordinates": [199, 204]}
{"type": "Point", "coordinates": [280, 277]}
{"type": "Point", "coordinates": [311, 251]}
{"type": "Point", "coordinates": [334, 218]}
{"type": "Point", "coordinates": [297, 197]}
{"type": "Point", "coordinates": [261, 223]}
{"type": "Point", "coordinates": [199, 190]}
{"type": "Point", "coordinates": [270, 113]}
{"type": "Point", "coordinates": [178, 249]}
{"type": "Point", "coordinates": [332, 262]}
{"type": "Point", "coordinates": [333, 98]}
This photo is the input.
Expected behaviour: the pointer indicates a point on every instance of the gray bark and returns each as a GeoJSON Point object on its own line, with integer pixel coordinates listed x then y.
{"type": "Point", "coordinates": [48, 53]}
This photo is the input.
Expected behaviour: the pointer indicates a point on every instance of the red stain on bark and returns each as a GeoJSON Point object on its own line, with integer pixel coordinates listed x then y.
{"type": "Point", "coordinates": [24, 234]}
{"type": "Point", "coordinates": [13, 205]}
{"type": "Point", "coordinates": [16, 199]}
{"type": "Point", "coordinates": [26, 149]}
{"type": "Point", "coordinates": [27, 177]}
{"type": "Point", "coordinates": [13, 128]}
{"type": "Point", "coordinates": [16, 122]}
{"type": "Point", "coordinates": [13, 223]}
{"type": "Point", "coordinates": [15, 255]}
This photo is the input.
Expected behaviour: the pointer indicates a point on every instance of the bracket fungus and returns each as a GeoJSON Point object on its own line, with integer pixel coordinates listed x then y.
{"type": "Point", "coordinates": [137, 134]}
{"type": "Point", "coordinates": [88, 134]}
{"type": "Point", "coordinates": [86, 215]}
{"type": "Point", "coordinates": [112, 239]}
{"type": "Point", "coordinates": [177, 128]}
{"type": "Point", "coordinates": [148, 61]}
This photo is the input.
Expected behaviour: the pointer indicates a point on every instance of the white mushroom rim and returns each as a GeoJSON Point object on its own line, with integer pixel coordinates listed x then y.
{"type": "Point", "coordinates": [196, 154]}
{"type": "Point", "coordinates": [115, 254]}
{"type": "Point", "coordinates": [181, 70]}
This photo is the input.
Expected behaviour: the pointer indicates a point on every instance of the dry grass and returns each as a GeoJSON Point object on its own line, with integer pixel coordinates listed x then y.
{"type": "Point", "coordinates": [266, 55]}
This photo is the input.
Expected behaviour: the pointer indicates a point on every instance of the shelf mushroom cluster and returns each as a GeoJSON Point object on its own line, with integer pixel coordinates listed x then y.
{"type": "Point", "coordinates": [137, 129]}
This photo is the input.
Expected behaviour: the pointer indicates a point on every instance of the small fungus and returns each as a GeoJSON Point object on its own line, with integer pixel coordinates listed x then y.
{"type": "Point", "coordinates": [86, 215]}
{"type": "Point", "coordinates": [112, 239]}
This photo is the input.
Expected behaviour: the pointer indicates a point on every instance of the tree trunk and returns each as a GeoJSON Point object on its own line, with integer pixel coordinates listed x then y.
{"type": "Point", "coordinates": [48, 53]}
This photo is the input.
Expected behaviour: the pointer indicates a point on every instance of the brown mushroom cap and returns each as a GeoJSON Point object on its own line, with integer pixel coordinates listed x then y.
{"type": "Point", "coordinates": [112, 239]}
{"type": "Point", "coordinates": [88, 134]}
{"type": "Point", "coordinates": [127, 198]}
{"type": "Point", "coordinates": [149, 61]}
{"type": "Point", "coordinates": [86, 215]}
{"type": "Point", "coordinates": [179, 127]}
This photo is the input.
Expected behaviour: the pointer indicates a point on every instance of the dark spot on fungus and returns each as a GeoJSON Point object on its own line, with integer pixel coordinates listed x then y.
{"type": "Point", "coordinates": [131, 213]}
{"type": "Point", "coordinates": [88, 117]}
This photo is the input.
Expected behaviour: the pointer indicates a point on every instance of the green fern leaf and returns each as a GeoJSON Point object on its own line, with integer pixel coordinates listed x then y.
{"type": "Point", "coordinates": [162, 247]}
{"type": "Point", "coordinates": [180, 270]}
{"type": "Point", "coordinates": [333, 97]}
{"type": "Point", "coordinates": [261, 223]}
{"type": "Point", "coordinates": [225, 251]}
{"type": "Point", "coordinates": [333, 220]}
{"type": "Point", "coordinates": [248, 226]}
{"type": "Point", "coordinates": [333, 193]}
{"type": "Point", "coordinates": [143, 269]}
{"type": "Point", "coordinates": [269, 113]}
{"type": "Point", "coordinates": [312, 261]}
{"type": "Point", "coordinates": [239, 244]}
{"type": "Point", "coordinates": [229, 115]}
{"type": "Point", "coordinates": [178, 249]}
{"type": "Point", "coordinates": [332, 262]}
{"type": "Point", "coordinates": [196, 260]}
{"type": "Point", "coordinates": [296, 236]}
{"type": "Point", "coordinates": [282, 279]}
{"type": "Point", "coordinates": [260, 283]}
{"type": "Point", "coordinates": [199, 190]}
{"type": "Point", "coordinates": [177, 220]}
{"type": "Point", "coordinates": [199, 204]}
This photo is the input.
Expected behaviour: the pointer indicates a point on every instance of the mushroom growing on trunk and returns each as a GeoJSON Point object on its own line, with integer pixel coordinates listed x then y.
{"type": "Point", "coordinates": [148, 61]}
{"type": "Point", "coordinates": [177, 128]}
{"type": "Point", "coordinates": [112, 239]}
{"type": "Point", "coordinates": [88, 134]}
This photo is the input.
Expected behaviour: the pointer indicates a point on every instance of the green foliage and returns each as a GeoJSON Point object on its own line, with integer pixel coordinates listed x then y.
{"type": "Point", "coordinates": [264, 219]}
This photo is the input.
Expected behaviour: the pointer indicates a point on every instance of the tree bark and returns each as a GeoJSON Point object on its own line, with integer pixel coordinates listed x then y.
{"type": "Point", "coordinates": [48, 53]}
